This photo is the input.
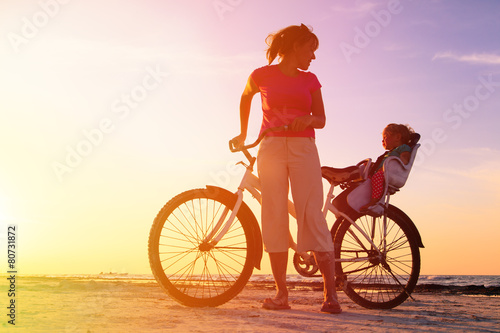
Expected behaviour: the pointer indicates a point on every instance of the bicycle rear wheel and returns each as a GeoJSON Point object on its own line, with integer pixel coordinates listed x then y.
{"type": "Point", "coordinates": [191, 270]}
{"type": "Point", "coordinates": [372, 279]}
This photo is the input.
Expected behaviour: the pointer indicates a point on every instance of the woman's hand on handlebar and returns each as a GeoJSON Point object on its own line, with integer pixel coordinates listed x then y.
{"type": "Point", "coordinates": [238, 141]}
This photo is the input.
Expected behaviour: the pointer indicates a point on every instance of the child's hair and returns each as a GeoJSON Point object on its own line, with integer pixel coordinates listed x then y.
{"type": "Point", "coordinates": [404, 130]}
{"type": "Point", "coordinates": [283, 41]}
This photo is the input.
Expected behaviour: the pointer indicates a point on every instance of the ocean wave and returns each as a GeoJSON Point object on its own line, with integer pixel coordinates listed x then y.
{"type": "Point", "coordinates": [460, 284]}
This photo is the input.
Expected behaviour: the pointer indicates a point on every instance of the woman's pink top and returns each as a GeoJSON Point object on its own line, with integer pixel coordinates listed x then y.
{"type": "Point", "coordinates": [284, 98]}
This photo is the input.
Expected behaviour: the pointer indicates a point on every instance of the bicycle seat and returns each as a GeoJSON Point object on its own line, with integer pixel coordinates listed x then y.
{"type": "Point", "coordinates": [396, 174]}
{"type": "Point", "coordinates": [340, 175]}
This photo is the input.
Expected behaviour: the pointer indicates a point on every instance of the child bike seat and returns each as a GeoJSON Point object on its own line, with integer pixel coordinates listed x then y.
{"type": "Point", "coordinates": [395, 171]}
{"type": "Point", "coordinates": [396, 174]}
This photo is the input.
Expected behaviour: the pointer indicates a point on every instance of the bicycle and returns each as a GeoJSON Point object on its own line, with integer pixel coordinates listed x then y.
{"type": "Point", "coordinates": [204, 243]}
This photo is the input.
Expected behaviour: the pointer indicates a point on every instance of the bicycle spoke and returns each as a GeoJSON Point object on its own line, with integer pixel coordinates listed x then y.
{"type": "Point", "coordinates": [193, 269]}
{"type": "Point", "coordinates": [384, 276]}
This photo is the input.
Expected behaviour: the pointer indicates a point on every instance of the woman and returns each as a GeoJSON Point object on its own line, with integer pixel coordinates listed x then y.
{"type": "Point", "coordinates": [291, 97]}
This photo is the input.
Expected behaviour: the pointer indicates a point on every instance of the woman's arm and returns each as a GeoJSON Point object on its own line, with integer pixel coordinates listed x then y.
{"type": "Point", "coordinates": [245, 104]}
{"type": "Point", "coordinates": [318, 110]}
{"type": "Point", "coordinates": [316, 119]}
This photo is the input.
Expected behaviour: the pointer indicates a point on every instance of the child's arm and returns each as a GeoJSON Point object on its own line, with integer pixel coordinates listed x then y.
{"type": "Point", "coordinates": [405, 157]}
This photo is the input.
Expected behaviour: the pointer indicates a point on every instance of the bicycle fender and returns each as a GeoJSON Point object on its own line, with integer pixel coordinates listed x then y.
{"type": "Point", "coordinates": [253, 223]}
{"type": "Point", "coordinates": [398, 211]}
{"type": "Point", "coordinates": [410, 224]}
{"type": "Point", "coordinates": [335, 227]}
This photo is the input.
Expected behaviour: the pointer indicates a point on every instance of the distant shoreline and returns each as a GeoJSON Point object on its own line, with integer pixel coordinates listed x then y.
{"type": "Point", "coordinates": [458, 290]}
{"type": "Point", "coordinates": [478, 290]}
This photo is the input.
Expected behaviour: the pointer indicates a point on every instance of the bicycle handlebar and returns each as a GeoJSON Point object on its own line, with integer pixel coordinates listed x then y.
{"type": "Point", "coordinates": [262, 135]}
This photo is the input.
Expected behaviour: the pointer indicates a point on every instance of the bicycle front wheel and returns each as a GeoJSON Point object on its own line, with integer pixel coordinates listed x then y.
{"type": "Point", "coordinates": [192, 270]}
{"type": "Point", "coordinates": [381, 275]}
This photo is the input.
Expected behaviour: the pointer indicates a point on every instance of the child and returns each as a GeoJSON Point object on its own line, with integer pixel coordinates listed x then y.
{"type": "Point", "coordinates": [395, 139]}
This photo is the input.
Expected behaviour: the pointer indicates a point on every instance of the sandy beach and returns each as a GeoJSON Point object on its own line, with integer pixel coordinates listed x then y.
{"type": "Point", "coordinates": [93, 305]}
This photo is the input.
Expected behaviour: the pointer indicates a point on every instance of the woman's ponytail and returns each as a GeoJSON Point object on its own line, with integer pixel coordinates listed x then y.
{"type": "Point", "coordinates": [283, 41]}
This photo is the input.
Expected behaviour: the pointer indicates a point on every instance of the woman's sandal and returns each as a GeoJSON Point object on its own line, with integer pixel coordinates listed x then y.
{"type": "Point", "coordinates": [332, 307]}
{"type": "Point", "coordinates": [275, 304]}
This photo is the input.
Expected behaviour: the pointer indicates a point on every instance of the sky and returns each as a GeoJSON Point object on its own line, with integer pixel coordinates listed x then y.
{"type": "Point", "coordinates": [111, 108]}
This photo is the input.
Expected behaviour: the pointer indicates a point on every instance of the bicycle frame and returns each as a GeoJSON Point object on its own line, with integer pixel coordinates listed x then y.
{"type": "Point", "coordinates": [251, 183]}
{"type": "Point", "coordinates": [205, 243]}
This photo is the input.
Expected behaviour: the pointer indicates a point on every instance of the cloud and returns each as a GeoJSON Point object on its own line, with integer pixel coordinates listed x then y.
{"type": "Point", "coordinates": [474, 58]}
{"type": "Point", "coordinates": [480, 164]}
{"type": "Point", "coordinates": [356, 8]}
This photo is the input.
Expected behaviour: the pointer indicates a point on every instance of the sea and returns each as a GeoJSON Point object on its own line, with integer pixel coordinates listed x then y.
{"type": "Point", "coordinates": [467, 285]}
{"type": "Point", "coordinates": [487, 281]}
